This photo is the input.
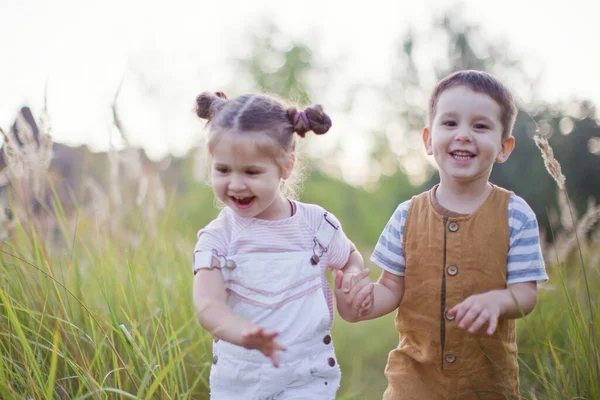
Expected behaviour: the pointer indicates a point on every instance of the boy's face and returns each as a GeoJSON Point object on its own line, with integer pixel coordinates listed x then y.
{"type": "Point", "coordinates": [465, 135]}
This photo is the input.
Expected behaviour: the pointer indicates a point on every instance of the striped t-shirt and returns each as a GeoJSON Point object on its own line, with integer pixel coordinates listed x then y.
{"type": "Point", "coordinates": [524, 262]}
{"type": "Point", "coordinates": [229, 234]}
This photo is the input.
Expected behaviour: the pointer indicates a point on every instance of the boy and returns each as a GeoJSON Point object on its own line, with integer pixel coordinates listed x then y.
{"type": "Point", "coordinates": [461, 257]}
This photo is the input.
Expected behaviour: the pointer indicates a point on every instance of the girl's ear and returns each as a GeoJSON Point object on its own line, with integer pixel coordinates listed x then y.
{"type": "Point", "coordinates": [288, 166]}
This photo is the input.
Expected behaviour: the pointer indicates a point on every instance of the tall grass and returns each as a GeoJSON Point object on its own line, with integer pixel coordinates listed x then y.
{"type": "Point", "coordinates": [102, 316]}
{"type": "Point", "coordinates": [107, 319]}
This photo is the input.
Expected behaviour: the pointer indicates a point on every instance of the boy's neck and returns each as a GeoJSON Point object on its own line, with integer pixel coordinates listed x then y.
{"type": "Point", "coordinates": [461, 198]}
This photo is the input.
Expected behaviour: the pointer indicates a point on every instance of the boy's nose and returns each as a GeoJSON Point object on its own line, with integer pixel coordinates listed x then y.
{"type": "Point", "coordinates": [463, 134]}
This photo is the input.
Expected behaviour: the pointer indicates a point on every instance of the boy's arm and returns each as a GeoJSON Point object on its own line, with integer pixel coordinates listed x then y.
{"type": "Point", "coordinates": [516, 301]}
{"type": "Point", "coordinates": [387, 295]}
{"type": "Point", "coordinates": [219, 319]}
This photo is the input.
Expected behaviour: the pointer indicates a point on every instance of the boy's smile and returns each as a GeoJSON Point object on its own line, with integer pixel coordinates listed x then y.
{"type": "Point", "coordinates": [465, 136]}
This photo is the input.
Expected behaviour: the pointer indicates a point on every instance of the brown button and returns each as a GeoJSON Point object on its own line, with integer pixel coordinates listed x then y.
{"type": "Point", "coordinates": [452, 270]}
{"type": "Point", "coordinates": [450, 357]}
{"type": "Point", "coordinates": [327, 339]}
{"type": "Point", "coordinates": [449, 317]}
{"type": "Point", "coordinates": [331, 362]}
{"type": "Point", "coordinates": [453, 226]}
{"type": "Point", "coordinates": [215, 359]}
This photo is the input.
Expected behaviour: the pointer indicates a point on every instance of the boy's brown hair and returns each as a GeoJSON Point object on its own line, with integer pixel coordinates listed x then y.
{"type": "Point", "coordinates": [480, 82]}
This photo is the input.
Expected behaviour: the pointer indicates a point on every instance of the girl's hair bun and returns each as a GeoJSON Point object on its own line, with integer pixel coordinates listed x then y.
{"type": "Point", "coordinates": [313, 118]}
{"type": "Point", "coordinates": [208, 103]}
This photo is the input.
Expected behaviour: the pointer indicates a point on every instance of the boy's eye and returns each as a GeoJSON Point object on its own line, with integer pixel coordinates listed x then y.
{"type": "Point", "coordinates": [252, 172]}
{"type": "Point", "coordinates": [449, 123]}
{"type": "Point", "coordinates": [222, 170]}
{"type": "Point", "coordinates": [481, 126]}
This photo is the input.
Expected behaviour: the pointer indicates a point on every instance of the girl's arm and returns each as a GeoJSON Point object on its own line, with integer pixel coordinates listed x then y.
{"type": "Point", "coordinates": [352, 287]}
{"type": "Point", "coordinates": [217, 318]}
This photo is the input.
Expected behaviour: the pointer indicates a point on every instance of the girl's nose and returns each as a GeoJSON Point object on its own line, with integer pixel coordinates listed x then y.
{"type": "Point", "coordinates": [237, 183]}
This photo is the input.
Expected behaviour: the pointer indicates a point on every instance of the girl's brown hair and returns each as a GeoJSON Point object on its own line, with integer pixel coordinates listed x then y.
{"type": "Point", "coordinates": [262, 114]}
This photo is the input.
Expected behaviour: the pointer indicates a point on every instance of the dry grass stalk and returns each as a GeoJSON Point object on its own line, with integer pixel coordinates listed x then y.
{"type": "Point", "coordinates": [564, 207]}
{"type": "Point", "coordinates": [584, 225]}
{"type": "Point", "coordinates": [26, 171]}
{"type": "Point", "coordinates": [552, 165]}
{"type": "Point", "coordinates": [566, 242]}
{"type": "Point", "coordinates": [137, 168]}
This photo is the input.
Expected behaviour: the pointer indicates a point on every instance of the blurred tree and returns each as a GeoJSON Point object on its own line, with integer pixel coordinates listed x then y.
{"type": "Point", "coordinates": [571, 127]}
{"type": "Point", "coordinates": [277, 65]}
{"type": "Point", "coordinates": [274, 63]}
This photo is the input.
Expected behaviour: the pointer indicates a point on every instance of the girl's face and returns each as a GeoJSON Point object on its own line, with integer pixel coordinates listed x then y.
{"type": "Point", "coordinates": [246, 179]}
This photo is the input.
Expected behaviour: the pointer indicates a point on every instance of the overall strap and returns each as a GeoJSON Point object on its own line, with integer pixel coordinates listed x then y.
{"type": "Point", "coordinates": [323, 237]}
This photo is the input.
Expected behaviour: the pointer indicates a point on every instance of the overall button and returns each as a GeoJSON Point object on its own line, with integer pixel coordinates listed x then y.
{"type": "Point", "coordinates": [449, 317]}
{"type": "Point", "coordinates": [215, 359]}
{"type": "Point", "coordinates": [327, 339]}
{"type": "Point", "coordinates": [453, 226]}
{"type": "Point", "coordinates": [450, 357]}
{"type": "Point", "coordinates": [452, 270]}
{"type": "Point", "coordinates": [331, 362]}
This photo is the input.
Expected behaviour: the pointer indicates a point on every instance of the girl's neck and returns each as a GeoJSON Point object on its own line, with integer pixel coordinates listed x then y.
{"type": "Point", "coordinates": [280, 209]}
{"type": "Point", "coordinates": [462, 198]}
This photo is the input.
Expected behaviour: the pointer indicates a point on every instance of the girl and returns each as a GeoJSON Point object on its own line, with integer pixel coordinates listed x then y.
{"type": "Point", "coordinates": [260, 286]}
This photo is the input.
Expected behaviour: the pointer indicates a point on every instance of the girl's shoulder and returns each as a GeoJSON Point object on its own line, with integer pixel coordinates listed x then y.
{"type": "Point", "coordinates": [225, 223]}
{"type": "Point", "coordinates": [314, 214]}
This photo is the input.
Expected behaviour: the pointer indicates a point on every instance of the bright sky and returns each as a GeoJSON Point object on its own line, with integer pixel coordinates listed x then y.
{"type": "Point", "coordinates": [83, 49]}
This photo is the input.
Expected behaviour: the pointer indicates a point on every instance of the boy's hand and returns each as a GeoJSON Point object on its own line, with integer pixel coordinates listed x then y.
{"type": "Point", "coordinates": [355, 291]}
{"type": "Point", "coordinates": [263, 341]}
{"type": "Point", "coordinates": [478, 310]}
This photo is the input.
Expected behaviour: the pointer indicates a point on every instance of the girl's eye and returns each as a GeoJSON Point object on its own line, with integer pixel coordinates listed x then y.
{"type": "Point", "coordinates": [449, 123]}
{"type": "Point", "coordinates": [252, 172]}
{"type": "Point", "coordinates": [222, 170]}
{"type": "Point", "coordinates": [481, 126]}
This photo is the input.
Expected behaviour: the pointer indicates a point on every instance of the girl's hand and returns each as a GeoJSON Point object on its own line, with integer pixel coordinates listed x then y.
{"type": "Point", "coordinates": [354, 291]}
{"type": "Point", "coordinates": [478, 310]}
{"type": "Point", "coordinates": [263, 341]}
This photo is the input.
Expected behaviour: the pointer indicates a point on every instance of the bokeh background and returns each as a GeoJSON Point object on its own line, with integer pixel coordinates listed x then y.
{"type": "Point", "coordinates": [102, 171]}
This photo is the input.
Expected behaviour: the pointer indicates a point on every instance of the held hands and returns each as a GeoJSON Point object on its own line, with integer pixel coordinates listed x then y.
{"type": "Point", "coordinates": [478, 310]}
{"type": "Point", "coordinates": [355, 292]}
{"type": "Point", "coordinates": [263, 341]}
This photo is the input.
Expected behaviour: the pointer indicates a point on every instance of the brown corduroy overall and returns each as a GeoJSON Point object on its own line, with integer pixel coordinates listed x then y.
{"type": "Point", "coordinates": [447, 260]}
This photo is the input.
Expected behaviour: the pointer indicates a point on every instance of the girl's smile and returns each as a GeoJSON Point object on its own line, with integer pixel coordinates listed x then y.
{"type": "Point", "coordinates": [246, 178]}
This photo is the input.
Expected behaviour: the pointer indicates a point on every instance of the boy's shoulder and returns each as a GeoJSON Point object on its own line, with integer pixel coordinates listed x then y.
{"type": "Point", "coordinates": [404, 207]}
{"type": "Point", "coordinates": [519, 210]}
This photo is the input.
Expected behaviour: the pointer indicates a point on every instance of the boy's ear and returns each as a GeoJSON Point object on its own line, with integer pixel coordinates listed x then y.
{"type": "Point", "coordinates": [288, 167]}
{"type": "Point", "coordinates": [427, 141]}
{"type": "Point", "coordinates": [508, 145]}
